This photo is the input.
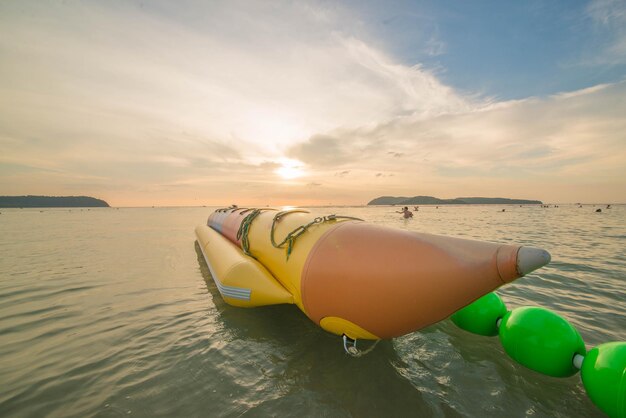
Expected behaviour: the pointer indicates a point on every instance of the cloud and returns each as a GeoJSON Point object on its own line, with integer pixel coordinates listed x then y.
{"type": "Point", "coordinates": [286, 72]}
{"type": "Point", "coordinates": [322, 150]}
{"type": "Point", "coordinates": [573, 137]}
{"type": "Point", "coordinates": [134, 92]}
{"type": "Point", "coordinates": [610, 19]}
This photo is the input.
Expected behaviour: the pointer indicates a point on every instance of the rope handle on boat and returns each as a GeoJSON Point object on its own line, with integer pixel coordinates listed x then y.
{"type": "Point", "coordinates": [349, 345]}
{"type": "Point", "coordinates": [290, 238]}
{"type": "Point", "coordinates": [231, 207]}
{"type": "Point", "coordinates": [244, 228]}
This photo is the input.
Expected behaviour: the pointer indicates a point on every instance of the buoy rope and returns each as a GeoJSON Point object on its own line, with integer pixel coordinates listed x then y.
{"type": "Point", "coordinates": [291, 237]}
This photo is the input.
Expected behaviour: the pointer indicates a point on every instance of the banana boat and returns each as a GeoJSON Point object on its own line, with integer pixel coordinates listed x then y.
{"type": "Point", "coordinates": [363, 281]}
{"type": "Point", "coordinates": [352, 278]}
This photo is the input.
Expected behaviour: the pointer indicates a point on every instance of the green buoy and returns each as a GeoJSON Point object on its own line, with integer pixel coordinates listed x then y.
{"type": "Point", "coordinates": [481, 316]}
{"type": "Point", "coordinates": [604, 376]}
{"type": "Point", "coordinates": [541, 340]}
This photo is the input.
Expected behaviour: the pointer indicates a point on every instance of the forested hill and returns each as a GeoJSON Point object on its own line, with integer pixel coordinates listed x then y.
{"type": "Point", "coordinates": [429, 200]}
{"type": "Point", "coordinates": [51, 202]}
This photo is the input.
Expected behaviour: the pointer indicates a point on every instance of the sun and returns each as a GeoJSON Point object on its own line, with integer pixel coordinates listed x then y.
{"type": "Point", "coordinates": [290, 169]}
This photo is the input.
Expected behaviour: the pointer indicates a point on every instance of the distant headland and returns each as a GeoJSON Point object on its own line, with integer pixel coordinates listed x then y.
{"type": "Point", "coordinates": [429, 200]}
{"type": "Point", "coordinates": [51, 202]}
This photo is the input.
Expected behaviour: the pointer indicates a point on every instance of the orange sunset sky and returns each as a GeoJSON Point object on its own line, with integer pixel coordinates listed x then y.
{"type": "Point", "coordinates": [312, 103]}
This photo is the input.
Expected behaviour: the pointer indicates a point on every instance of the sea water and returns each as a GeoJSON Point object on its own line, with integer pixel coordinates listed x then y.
{"type": "Point", "coordinates": [113, 312]}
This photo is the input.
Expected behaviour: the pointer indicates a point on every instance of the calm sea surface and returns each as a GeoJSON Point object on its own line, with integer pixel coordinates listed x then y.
{"type": "Point", "coordinates": [112, 312]}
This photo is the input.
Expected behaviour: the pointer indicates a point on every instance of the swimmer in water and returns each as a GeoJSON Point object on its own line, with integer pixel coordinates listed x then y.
{"type": "Point", "coordinates": [406, 212]}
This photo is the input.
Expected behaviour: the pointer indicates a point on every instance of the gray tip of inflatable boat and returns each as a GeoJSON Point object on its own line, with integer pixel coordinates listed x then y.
{"type": "Point", "coordinates": [530, 259]}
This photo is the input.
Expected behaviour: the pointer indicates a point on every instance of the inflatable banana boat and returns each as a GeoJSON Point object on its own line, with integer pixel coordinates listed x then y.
{"type": "Point", "coordinates": [352, 278]}
{"type": "Point", "coordinates": [363, 281]}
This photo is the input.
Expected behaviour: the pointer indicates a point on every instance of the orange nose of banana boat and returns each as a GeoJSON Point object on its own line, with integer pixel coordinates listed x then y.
{"type": "Point", "coordinates": [390, 282]}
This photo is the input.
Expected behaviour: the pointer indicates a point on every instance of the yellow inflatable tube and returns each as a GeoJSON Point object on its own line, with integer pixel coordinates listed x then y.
{"type": "Point", "coordinates": [241, 280]}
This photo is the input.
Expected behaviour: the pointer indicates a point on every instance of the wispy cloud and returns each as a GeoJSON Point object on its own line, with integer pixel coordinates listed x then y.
{"type": "Point", "coordinates": [610, 19]}
{"type": "Point", "coordinates": [142, 92]}
{"type": "Point", "coordinates": [579, 135]}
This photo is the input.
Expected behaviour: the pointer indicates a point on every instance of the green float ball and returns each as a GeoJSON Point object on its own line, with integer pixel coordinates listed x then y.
{"type": "Point", "coordinates": [541, 340]}
{"type": "Point", "coordinates": [604, 377]}
{"type": "Point", "coordinates": [480, 316]}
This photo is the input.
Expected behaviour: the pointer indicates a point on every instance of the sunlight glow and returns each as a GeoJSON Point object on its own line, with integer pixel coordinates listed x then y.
{"type": "Point", "coordinates": [290, 169]}
{"type": "Point", "coordinates": [270, 129]}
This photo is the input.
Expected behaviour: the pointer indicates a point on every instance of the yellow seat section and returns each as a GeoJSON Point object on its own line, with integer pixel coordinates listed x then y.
{"type": "Point", "coordinates": [241, 280]}
{"type": "Point", "coordinates": [340, 326]}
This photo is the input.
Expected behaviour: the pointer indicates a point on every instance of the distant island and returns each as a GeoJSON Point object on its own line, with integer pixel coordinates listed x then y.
{"type": "Point", "coordinates": [51, 202]}
{"type": "Point", "coordinates": [429, 200]}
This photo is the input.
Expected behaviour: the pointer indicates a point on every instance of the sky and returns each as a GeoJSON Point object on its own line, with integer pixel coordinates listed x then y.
{"type": "Point", "coordinates": [175, 103]}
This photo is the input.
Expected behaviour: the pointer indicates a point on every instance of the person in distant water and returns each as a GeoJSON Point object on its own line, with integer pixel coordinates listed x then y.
{"type": "Point", "coordinates": [406, 212]}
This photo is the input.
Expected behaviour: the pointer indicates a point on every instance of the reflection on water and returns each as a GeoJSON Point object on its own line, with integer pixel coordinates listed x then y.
{"type": "Point", "coordinates": [113, 312]}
